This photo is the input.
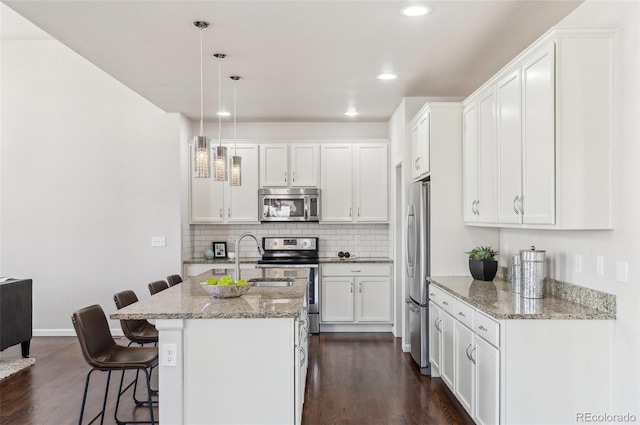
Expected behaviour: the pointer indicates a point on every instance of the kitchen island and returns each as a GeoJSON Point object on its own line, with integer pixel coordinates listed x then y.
{"type": "Point", "coordinates": [230, 361]}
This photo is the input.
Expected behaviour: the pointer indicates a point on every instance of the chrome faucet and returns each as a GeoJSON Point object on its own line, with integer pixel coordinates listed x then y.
{"type": "Point", "coordinates": [260, 250]}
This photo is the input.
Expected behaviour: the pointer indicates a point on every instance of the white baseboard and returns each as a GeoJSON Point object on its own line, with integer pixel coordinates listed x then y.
{"type": "Point", "coordinates": [406, 348]}
{"type": "Point", "coordinates": [355, 328]}
{"type": "Point", "coordinates": [68, 332]}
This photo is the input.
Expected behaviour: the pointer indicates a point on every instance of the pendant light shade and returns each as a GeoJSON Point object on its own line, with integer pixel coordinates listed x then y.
{"type": "Point", "coordinates": [236, 161]}
{"type": "Point", "coordinates": [202, 156]}
{"type": "Point", "coordinates": [220, 153]}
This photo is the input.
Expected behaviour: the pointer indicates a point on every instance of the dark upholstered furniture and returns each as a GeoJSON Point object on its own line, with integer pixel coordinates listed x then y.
{"type": "Point", "coordinates": [16, 314]}
{"type": "Point", "coordinates": [157, 286]}
{"type": "Point", "coordinates": [138, 331]}
{"type": "Point", "coordinates": [102, 353]}
{"type": "Point", "coordinates": [174, 279]}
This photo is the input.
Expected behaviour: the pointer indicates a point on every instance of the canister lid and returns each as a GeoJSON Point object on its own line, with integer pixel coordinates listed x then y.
{"type": "Point", "coordinates": [532, 254]}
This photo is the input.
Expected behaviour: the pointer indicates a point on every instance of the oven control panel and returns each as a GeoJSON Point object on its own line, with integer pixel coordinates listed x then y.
{"type": "Point", "coordinates": [290, 244]}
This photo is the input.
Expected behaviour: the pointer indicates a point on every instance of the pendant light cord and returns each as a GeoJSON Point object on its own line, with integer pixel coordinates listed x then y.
{"type": "Point", "coordinates": [219, 103]}
{"type": "Point", "coordinates": [201, 90]}
{"type": "Point", "coordinates": [235, 122]}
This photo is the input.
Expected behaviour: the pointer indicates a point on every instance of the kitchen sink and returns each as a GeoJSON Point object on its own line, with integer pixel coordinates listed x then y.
{"type": "Point", "coordinates": [266, 281]}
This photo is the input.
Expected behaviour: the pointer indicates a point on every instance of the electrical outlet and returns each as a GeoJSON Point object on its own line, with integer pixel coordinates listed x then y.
{"type": "Point", "coordinates": [578, 263]}
{"type": "Point", "coordinates": [170, 355]}
{"type": "Point", "coordinates": [158, 241]}
{"type": "Point", "coordinates": [600, 265]}
{"type": "Point", "coordinates": [622, 271]}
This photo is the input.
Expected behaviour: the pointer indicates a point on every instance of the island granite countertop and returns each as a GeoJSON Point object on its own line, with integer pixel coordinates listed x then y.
{"type": "Point", "coordinates": [188, 300]}
{"type": "Point", "coordinates": [366, 260]}
{"type": "Point", "coordinates": [496, 299]}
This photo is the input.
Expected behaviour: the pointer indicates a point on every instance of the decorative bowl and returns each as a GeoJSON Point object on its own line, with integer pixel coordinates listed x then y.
{"type": "Point", "coordinates": [231, 255]}
{"type": "Point", "coordinates": [226, 291]}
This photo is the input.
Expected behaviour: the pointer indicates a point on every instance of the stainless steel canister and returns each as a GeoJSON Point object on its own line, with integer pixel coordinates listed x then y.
{"type": "Point", "coordinates": [516, 273]}
{"type": "Point", "coordinates": [532, 277]}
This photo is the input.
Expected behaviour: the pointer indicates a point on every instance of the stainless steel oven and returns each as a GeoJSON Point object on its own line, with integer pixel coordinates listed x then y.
{"type": "Point", "coordinates": [295, 204]}
{"type": "Point", "coordinates": [296, 253]}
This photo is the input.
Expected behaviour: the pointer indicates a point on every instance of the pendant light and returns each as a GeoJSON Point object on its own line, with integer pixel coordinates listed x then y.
{"type": "Point", "coordinates": [236, 161]}
{"type": "Point", "coordinates": [202, 158]}
{"type": "Point", "coordinates": [220, 152]}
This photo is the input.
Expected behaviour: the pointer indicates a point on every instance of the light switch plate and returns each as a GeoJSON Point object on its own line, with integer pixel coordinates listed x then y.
{"type": "Point", "coordinates": [622, 271]}
{"type": "Point", "coordinates": [158, 241]}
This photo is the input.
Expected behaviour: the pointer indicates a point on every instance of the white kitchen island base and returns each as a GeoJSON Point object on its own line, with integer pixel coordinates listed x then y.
{"type": "Point", "coordinates": [228, 371]}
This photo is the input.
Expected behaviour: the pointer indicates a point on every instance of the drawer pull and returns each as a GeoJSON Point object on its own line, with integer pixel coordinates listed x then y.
{"type": "Point", "coordinates": [482, 328]}
{"type": "Point", "coordinates": [445, 303]}
{"type": "Point", "coordinates": [356, 271]}
{"type": "Point", "coordinates": [431, 294]}
{"type": "Point", "coordinates": [461, 314]}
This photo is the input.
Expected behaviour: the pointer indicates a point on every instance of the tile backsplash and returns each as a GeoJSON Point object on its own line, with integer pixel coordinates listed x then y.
{"type": "Point", "coordinates": [360, 240]}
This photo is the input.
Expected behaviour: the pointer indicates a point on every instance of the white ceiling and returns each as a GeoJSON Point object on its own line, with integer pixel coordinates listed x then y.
{"type": "Point", "coordinates": [299, 60]}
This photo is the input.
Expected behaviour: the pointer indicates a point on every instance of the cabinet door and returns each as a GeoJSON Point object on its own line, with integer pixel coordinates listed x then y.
{"type": "Point", "coordinates": [206, 199]}
{"type": "Point", "coordinates": [464, 370]}
{"type": "Point", "coordinates": [487, 181]}
{"type": "Point", "coordinates": [336, 299]}
{"type": "Point", "coordinates": [509, 149]}
{"type": "Point", "coordinates": [425, 143]}
{"type": "Point", "coordinates": [374, 299]}
{"type": "Point", "coordinates": [435, 337]}
{"type": "Point", "coordinates": [274, 160]}
{"type": "Point", "coordinates": [538, 96]}
{"type": "Point", "coordinates": [447, 361]}
{"type": "Point", "coordinates": [470, 162]}
{"type": "Point", "coordinates": [371, 183]}
{"type": "Point", "coordinates": [304, 167]}
{"type": "Point", "coordinates": [415, 150]}
{"type": "Point", "coordinates": [487, 386]}
{"type": "Point", "coordinates": [241, 200]}
{"type": "Point", "coordinates": [336, 183]}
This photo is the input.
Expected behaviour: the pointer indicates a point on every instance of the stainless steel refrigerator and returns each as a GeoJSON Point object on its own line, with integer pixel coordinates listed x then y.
{"type": "Point", "coordinates": [418, 268]}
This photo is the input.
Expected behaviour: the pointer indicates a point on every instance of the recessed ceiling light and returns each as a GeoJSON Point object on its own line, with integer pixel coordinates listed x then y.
{"type": "Point", "coordinates": [387, 76]}
{"type": "Point", "coordinates": [351, 113]}
{"type": "Point", "coordinates": [415, 11]}
{"type": "Point", "coordinates": [224, 113]}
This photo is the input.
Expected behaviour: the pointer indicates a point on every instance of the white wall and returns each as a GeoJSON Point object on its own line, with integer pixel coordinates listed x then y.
{"type": "Point", "coordinates": [89, 173]}
{"type": "Point", "coordinates": [622, 243]}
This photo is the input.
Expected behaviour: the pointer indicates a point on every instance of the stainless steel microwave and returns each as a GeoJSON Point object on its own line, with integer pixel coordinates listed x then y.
{"type": "Point", "coordinates": [294, 204]}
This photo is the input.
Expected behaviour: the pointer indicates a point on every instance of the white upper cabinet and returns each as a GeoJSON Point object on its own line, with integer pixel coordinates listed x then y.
{"type": "Point", "coordinates": [552, 168]}
{"type": "Point", "coordinates": [420, 143]}
{"type": "Point", "coordinates": [354, 181]}
{"type": "Point", "coordinates": [479, 144]}
{"type": "Point", "coordinates": [218, 202]}
{"type": "Point", "coordinates": [289, 165]}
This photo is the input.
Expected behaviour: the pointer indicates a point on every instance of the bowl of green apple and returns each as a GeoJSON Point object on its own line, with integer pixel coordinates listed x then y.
{"type": "Point", "coordinates": [225, 287]}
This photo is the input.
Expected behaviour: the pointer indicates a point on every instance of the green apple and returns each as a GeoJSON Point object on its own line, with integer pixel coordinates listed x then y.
{"type": "Point", "coordinates": [241, 282]}
{"type": "Point", "coordinates": [212, 281]}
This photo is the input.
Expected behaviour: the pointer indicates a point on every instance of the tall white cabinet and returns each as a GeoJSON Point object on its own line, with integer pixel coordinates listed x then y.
{"type": "Point", "coordinates": [420, 143]}
{"type": "Point", "coordinates": [355, 182]}
{"type": "Point", "coordinates": [289, 165]}
{"type": "Point", "coordinates": [546, 160]}
{"type": "Point", "coordinates": [218, 202]}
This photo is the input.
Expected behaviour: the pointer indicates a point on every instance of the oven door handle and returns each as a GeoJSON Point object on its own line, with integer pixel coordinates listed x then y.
{"type": "Point", "coordinates": [286, 266]}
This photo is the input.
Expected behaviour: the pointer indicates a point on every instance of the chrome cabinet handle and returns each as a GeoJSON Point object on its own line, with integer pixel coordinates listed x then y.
{"type": "Point", "coordinates": [293, 175]}
{"type": "Point", "coordinates": [303, 356]}
{"type": "Point", "coordinates": [356, 271]}
{"type": "Point", "coordinates": [522, 204]}
{"type": "Point", "coordinates": [221, 214]}
{"type": "Point", "coordinates": [285, 176]}
{"type": "Point", "coordinates": [360, 287]}
{"type": "Point", "coordinates": [416, 163]}
{"type": "Point", "coordinates": [467, 352]}
{"type": "Point", "coordinates": [351, 287]}
{"type": "Point", "coordinates": [514, 204]}
{"type": "Point", "coordinates": [445, 303]}
{"type": "Point", "coordinates": [229, 212]}
{"type": "Point", "coordinates": [461, 314]}
{"type": "Point", "coordinates": [473, 359]}
{"type": "Point", "coordinates": [477, 210]}
{"type": "Point", "coordinates": [437, 323]}
{"type": "Point", "coordinates": [358, 211]}
{"type": "Point", "coordinates": [349, 212]}
{"type": "Point", "coordinates": [482, 328]}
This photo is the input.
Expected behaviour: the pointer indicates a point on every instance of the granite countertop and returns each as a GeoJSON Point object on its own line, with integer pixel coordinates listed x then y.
{"type": "Point", "coordinates": [337, 260]}
{"type": "Point", "coordinates": [497, 300]}
{"type": "Point", "coordinates": [243, 260]}
{"type": "Point", "coordinates": [188, 300]}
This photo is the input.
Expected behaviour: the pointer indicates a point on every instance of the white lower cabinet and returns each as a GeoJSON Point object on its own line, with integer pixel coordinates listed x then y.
{"type": "Point", "coordinates": [301, 359]}
{"type": "Point", "coordinates": [487, 385]}
{"type": "Point", "coordinates": [435, 338]}
{"type": "Point", "coordinates": [355, 293]}
{"type": "Point", "coordinates": [464, 370]}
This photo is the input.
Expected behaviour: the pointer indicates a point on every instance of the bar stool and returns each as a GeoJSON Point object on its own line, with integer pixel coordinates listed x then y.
{"type": "Point", "coordinates": [102, 353]}
{"type": "Point", "coordinates": [174, 279]}
{"type": "Point", "coordinates": [157, 286]}
{"type": "Point", "coordinates": [138, 331]}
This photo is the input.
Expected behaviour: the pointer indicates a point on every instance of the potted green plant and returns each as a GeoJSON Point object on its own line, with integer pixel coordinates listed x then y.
{"type": "Point", "coordinates": [482, 263]}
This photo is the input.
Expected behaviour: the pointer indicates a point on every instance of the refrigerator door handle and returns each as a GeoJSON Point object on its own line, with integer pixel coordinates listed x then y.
{"type": "Point", "coordinates": [411, 242]}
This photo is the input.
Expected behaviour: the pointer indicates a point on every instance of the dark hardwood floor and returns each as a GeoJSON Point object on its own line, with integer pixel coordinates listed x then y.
{"type": "Point", "coordinates": [353, 379]}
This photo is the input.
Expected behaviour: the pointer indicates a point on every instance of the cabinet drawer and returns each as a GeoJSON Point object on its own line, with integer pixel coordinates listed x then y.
{"type": "Point", "coordinates": [464, 313]}
{"type": "Point", "coordinates": [447, 302]}
{"type": "Point", "coordinates": [435, 294]}
{"type": "Point", "coordinates": [487, 328]}
{"type": "Point", "coordinates": [355, 269]}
